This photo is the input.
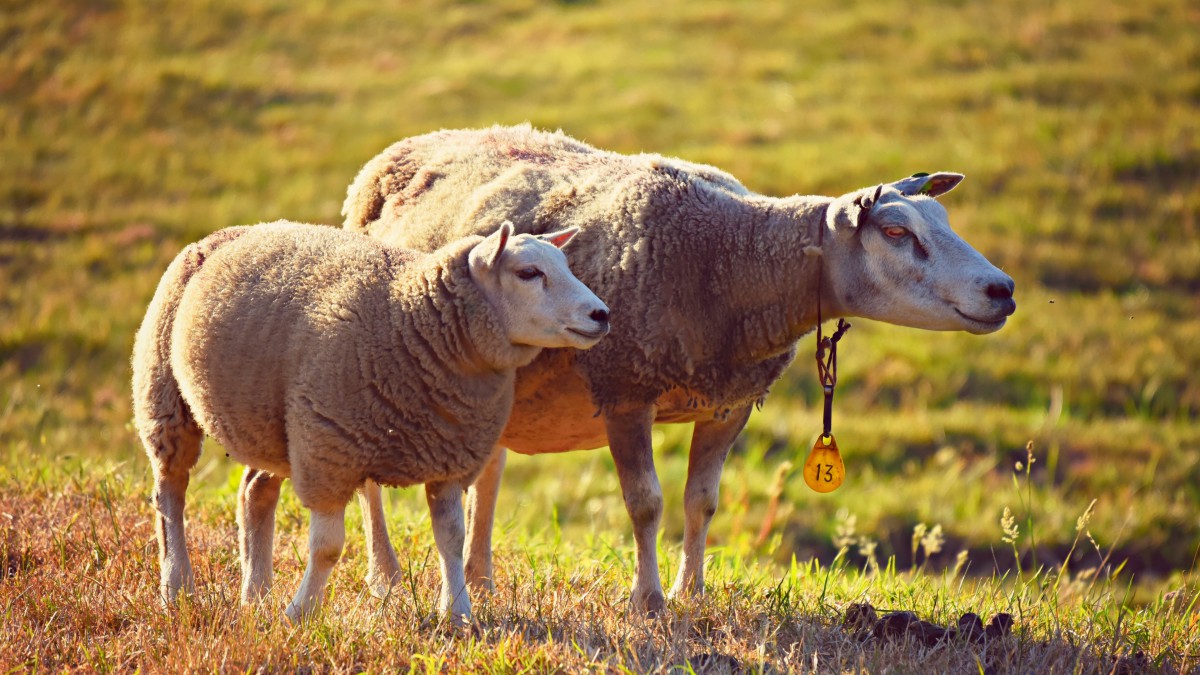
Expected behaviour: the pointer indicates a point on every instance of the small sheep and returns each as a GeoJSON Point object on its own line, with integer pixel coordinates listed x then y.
{"type": "Point", "coordinates": [332, 359]}
{"type": "Point", "coordinates": [711, 286]}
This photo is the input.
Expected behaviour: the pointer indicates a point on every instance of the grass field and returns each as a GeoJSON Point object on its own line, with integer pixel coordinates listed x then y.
{"type": "Point", "coordinates": [128, 129]}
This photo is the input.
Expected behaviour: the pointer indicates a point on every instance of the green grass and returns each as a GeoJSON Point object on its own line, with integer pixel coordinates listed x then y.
{"type": "Point", "coordinates": [128, 129]}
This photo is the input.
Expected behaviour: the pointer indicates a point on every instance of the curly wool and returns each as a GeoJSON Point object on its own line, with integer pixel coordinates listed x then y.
{"type": "Point", "coordinates": [709, 285]}
{"type": "Point", "coordinates": [399, 372]}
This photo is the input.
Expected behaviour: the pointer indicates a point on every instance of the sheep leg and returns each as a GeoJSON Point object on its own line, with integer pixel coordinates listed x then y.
{"type": "Point", "coordinates": [711, 440]}
{"type": "Point", "coordinates": [175, 568]}
{"type": "Point", "coordinates": [481, 514]}
{"type": "Point", "coordinates": [326, 536]}
{"type": "Point", "coordinates": [382, 567]}
{"type": "Point", "coordinates": [633, 453]}
{"type": "Point", "coordinates": [449, 532]}
{"type": "Point", "coordinates": [258, 495]}
{"type": "Point", "coordinates": [174, 446]}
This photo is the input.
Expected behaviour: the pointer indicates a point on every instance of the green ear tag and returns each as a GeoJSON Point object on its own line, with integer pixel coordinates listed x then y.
{"type": "Point", "coordinates": [928, 186]}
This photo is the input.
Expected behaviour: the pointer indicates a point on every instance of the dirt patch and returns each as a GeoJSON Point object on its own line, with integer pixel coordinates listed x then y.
{"type": "Point", "coordinates": [864, 621]}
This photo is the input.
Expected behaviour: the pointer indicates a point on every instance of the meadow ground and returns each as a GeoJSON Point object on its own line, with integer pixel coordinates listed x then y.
{"type": "Point", "coordinates": [128, 129]}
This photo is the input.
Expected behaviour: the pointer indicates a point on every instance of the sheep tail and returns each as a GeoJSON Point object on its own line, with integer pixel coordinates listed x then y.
{"type": "Point", "coordinates": [163, 418]}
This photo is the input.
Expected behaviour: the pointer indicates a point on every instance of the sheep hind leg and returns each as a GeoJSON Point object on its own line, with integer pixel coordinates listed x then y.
{"type": "Point", "coordinates": [174, 448]}
{"type": "Point", "coordinates": [633, 453]}
{"type": "Point", "coordinates": [258, 496]}
{"type": "Point", "coordinates": [481, 514]}
{"type": "Point", "coordinates": [449, 532]}
{"type": "Point", "coordinates": [383, 569]}
{"type": "Point", "coordinates": [711, 440]}
{"type": "Point", "coordinates": [175, 568]}
{"type": "Point", "coordinates": [326, 537]}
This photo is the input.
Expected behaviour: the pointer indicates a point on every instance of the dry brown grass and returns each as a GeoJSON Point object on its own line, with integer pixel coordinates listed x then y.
{"type": "Point", "coordinates": [78, 592]}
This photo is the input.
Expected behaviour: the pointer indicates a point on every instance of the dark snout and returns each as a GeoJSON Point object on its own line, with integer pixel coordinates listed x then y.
{"type": "Point", "coordinates": [987, 304]}
{"type": "Point", "coordinates": [600, 316]}
{"type": "Point", "coordinates": [1000, 292]}
{"type": "Point", "coordinates": [596, 324]}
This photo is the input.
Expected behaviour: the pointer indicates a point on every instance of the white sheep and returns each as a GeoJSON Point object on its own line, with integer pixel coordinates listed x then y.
{"type": "Point", "coordinates": [711, 286]}
{"type": "Point", "coordinates": [332, 359]}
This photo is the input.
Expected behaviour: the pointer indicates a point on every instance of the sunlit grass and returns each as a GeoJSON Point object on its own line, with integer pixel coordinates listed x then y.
{"type": "Point", "coordinates": [80, 583]}
{"type": "Point", "coordinates": [127, 132]}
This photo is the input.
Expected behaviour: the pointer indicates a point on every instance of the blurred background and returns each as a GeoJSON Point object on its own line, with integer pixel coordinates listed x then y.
{"type": "Point", "coordinates": [129, 129]}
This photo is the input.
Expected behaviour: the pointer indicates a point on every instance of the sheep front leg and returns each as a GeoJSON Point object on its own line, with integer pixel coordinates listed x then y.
{"type": "Point", "coordinates": [258, 496]}
{"type": "Point", "coordinates": [633, 453]}
{"type": "Point", "coordinates": [711, 440]}
{"type": "Point", "coordinates": [326, 537]}
{"type": "Point", "coordinates": [449, 533]}
{"type": "Point", "coordinates": [382, 567]}
{"type": "Point", "coordinates": [481, 514]}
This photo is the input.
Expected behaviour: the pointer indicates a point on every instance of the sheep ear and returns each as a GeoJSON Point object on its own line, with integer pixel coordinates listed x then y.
{"type": "Point", "coordinates": [497, 241]}
{"type": "Point", "coordinates": [865, 202]}
{"type": "Point", "coordinates": [930, 184]}
{"type": "Point", "coordinates": [559, 239]}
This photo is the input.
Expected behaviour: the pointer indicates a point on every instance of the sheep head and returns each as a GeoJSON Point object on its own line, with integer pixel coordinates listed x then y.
{"type": "Point", "coordinates": [526, 278]}
{"type": "Point", "coordinates": [891, 255]}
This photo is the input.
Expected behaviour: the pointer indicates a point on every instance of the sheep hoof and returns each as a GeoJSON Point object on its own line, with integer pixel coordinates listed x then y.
{"type": "Point", "coordinates": [480, 581]}
{"type": "Point", "coordinates": [451, 623]}
{"type": "Point", "coordinates": [254, 593]}
{"type": "Point", "coordinates": [297, 615]}
{"type": "Point", "coordinates": [482, 586]}
{"type": "Point", "coordinates": [686, 590]}
{"type": "Point", "coordinates": [652, 604]}
{"type": "Point", "coordinates": [458, 621]}
{"type": "Point", "coordinates": [379, 586]}
{"type": "Point", "coordinates": [168, 594]}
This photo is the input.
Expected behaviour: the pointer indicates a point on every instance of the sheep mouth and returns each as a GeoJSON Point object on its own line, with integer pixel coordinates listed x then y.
{"type": "Point", "coordinates": [989, 324]}
{"type": "Point", "coordinates": [594, 335]}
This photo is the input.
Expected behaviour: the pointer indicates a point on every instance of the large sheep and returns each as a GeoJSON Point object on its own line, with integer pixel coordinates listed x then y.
{"type": "Point", "coordinates": [711, 286]}
{"type": "Point", "coordinates": [330, 358]}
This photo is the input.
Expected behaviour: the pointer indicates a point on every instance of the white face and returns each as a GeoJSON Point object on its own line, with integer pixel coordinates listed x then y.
{"type": "Point", "coordinates": [527, 279]}
{"type": "Point", "coordinates": [909, 268]}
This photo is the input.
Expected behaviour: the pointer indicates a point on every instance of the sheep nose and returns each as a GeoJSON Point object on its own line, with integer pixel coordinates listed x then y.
{"type": "Point", "coordinates": [599, 315]}
{"type": "Point", "coordinates": [1000, 290]}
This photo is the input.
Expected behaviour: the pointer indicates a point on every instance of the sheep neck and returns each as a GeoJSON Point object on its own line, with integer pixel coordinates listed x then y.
{"type": "Point", "coordinates": [439, 304]}
{"type": "Point", "coordinates": [754, 298]}
{"type": "Point", "coordinates": [781, 253]}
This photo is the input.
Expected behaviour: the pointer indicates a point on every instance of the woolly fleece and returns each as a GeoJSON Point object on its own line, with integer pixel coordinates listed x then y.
{"type": "Point", "coordinates": [709, 285]}
{"type": "Point", "coordinates": [398, 373]}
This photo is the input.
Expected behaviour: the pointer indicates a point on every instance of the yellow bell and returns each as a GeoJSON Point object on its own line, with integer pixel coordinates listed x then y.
{"type": "Point", "coordinates": [823, 470]}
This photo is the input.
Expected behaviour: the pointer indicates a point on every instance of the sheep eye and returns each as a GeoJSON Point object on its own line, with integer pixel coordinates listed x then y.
{"type": "Point", "coordinates": [895, 232]}
{"type": "Point", "coordinates": [527, 273]}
